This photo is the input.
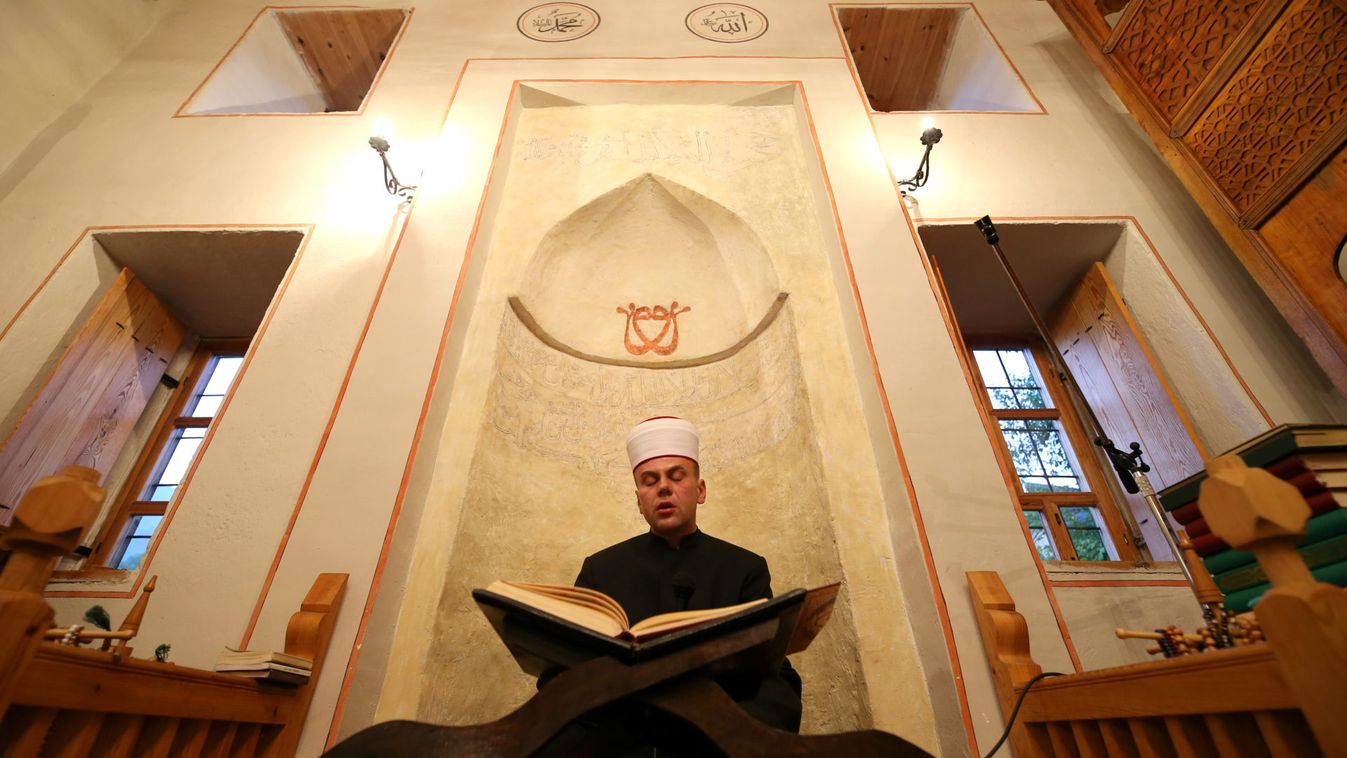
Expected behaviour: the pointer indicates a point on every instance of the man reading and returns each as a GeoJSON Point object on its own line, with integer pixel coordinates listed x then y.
{"type": "Point", "coordinates": [675, 566]}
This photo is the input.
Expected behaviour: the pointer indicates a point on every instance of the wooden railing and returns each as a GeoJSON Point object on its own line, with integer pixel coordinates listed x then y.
{"type": "Point", "coordinates": [1285, 697]}
{"type": "Point", "coordinates": [59, 700]}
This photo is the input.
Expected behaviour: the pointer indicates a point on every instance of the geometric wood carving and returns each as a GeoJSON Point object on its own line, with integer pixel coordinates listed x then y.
{"type": "Point", "coordinates": [1285, 99]}
{"type": "Point", "coordinates": [343, 49]}
{"type": "Point", "coordinates": [1170, 46]}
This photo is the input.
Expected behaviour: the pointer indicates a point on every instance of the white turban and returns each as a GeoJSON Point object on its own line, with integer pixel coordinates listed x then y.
{"type": "Point", "coordinates": [661, 436]}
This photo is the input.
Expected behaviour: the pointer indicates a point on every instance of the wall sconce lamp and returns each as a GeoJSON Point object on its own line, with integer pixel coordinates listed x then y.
{"type": "Point", "coordinates": [929, 136]}
{"type": "Point", "coordinates": [379, 141]}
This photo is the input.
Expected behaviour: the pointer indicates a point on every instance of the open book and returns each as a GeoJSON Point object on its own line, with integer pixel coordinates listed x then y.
{"type": "Point", "coordinates": [545, 625]}
{"type": "Point", "coordinates": [597, 612]}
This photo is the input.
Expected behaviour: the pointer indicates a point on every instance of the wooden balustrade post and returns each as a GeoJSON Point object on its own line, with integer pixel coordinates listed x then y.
{"type": "Point", "coordinates": [307, 636]}
{"type": "Point", "coordinates": [1005, 640]}
{"type": "Point", "coordinates": [49, 522]}
{"type": "Point", "coordinates": [1305, 621]}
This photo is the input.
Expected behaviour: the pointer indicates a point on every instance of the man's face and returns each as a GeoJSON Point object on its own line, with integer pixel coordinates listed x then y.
{"type": "Point", "coordinates": [668, 491]}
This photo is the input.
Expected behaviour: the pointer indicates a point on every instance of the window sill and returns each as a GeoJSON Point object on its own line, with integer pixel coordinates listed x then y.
{"type": "Point", "coordinates": [1066, 572]}
{"type": "Point", "coordinates": [100, 577]}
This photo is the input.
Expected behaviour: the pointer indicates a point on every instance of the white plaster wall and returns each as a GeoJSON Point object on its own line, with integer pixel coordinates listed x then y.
{"type": "Point", "coordinates": [1093, 617]}
{"type": "Point", "coordinates": [976, 76]}
{"type": "Point", "coordinates": [321, 428]}
{"type": "Point", "coordinates": [50, 54]}
{"type": "Point", "coordinates": [263, 74]}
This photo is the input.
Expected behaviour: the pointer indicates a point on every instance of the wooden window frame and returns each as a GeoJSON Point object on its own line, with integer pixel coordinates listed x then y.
{"type": "Point", "coordinates": [128, 503]}
{"type": "Point", "coordinates": [1099, 493]}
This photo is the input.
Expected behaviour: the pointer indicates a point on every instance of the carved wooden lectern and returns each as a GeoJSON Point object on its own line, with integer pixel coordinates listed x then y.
{"type": "Point", "coordinates": [673, 679]}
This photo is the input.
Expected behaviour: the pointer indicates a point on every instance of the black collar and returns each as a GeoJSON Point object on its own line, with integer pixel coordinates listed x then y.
{"type": "Point", "coordinates": [690, 541]}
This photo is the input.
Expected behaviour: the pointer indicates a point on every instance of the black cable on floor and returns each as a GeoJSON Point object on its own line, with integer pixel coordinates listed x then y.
{"type": "Point", "coordinates": [1016, 710]}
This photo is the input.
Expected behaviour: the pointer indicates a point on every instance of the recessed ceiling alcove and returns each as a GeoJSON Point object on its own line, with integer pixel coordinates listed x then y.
{"type": "Point", "coordinates": [931, 58]}
{"type": "Point", "coordinates": [323, 60]}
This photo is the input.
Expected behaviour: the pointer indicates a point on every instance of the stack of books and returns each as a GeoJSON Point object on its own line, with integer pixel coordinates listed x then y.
{"type": "Point", "coordinates": [1313, 457]}
{"type": "Point", "coordinates": [271, 667]}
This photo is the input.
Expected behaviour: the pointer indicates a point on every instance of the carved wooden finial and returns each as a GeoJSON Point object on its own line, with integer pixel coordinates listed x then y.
{"type": "Point", "coordinates": [1305, 621]}
{"type": "Point", "coordinates": [1255, 511]}
{"type": "Point", "coordinates": [135, 616]}
{"type": "Point", "coordinates": [48, 524]}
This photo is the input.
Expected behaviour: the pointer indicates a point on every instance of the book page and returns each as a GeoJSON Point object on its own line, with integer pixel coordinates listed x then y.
{"type": "Point", "coordinates": [668, 622]}
{"type": "Point", "coordinates": [580, 594]}
{"type": "Point", "coordinates": [589, 614]}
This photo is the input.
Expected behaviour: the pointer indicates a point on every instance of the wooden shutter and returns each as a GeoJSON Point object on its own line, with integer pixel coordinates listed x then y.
{"type": "Point", "coordinates": [1123, 383]}
{"type": "Point", "coordinates": [86, 409]}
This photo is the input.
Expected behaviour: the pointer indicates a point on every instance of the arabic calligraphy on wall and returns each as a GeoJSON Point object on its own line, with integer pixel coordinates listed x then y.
{"type": "Point", "coordinates": [727, 22]}
{"type": "Point", "coordinates": [663, 342]}
{"type": "Point", "coordinates": [719, 149]}
{"type": "Point", "coordinates": [558, 22]}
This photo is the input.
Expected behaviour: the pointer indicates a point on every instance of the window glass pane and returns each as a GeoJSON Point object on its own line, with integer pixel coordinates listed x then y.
{"type": "Point", "coordinates": [1023, 453]}
{"type": "Point", "coordinates": [1053, 455]}
{"type": "Point", "coordinates": [144, 526]}
{"type": "Point", "coordinates": [1017, 368]}
{"type": "Point", "coordinates": [177, 456]}
{"type": "Point", "coordinates": [162, 493]}
{"type": "Point", "coordinates": [1029, 398]}
{"type": "Point", "coordinates": [213, 386]}
{"type": "Point", "coordinates": [1002, 398]}
{"type": "Point", "coordinates": [133, 553]}
{"type": "Point", "coordinates": [222, 374]}
{"type": "Point", "coordinates": [207, 406]}
{"type": "Point", "coordinates": [1085, 526]}
{"type": "Point", "coordinates": [990, 367]}
{"type": "Point", "coordinates": [1042, 538]}
{"type": "Point", "coordinates": [1064, 484]}
{"type": "Point", "coordinates": [1042, 460]}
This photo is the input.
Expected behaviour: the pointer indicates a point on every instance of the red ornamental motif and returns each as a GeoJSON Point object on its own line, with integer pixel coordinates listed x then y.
{"type": "Point", "coordinates": [663, 343]}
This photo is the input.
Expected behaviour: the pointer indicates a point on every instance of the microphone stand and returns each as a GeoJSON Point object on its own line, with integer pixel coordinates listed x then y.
{"type": "Point", "coordinates": [1130, 467]}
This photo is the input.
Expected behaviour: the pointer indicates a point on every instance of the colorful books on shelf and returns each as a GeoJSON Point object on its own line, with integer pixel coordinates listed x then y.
{"type": "Point", "coordinates": [1245, 599]}
{"type": "Point", "coordinates": [280, 668]}
{"type": "Point", "coordinates": [1310, 457]}
{"type": "Point", "coordinates": [1287, 451]}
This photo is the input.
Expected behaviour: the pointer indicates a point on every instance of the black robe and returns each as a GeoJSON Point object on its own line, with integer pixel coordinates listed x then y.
{"type": "Point", "coordinates": [641, 574]}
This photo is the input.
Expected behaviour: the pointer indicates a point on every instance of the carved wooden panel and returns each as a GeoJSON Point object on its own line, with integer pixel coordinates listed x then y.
{"type": "Point", "coordinates": [1288, 96]}
{"type": "Point", "coordinates": [1170, 46]}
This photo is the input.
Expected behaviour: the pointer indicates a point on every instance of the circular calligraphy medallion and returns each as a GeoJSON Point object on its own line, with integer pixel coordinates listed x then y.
{"type": "Point", "coordinates": [727, 22]}
{"type": "Point", "coordinates": [557, 22]}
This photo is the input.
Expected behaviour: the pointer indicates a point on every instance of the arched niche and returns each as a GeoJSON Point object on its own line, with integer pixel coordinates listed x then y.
{"type": "Point", "coordinates": [650, 273]}
{"type": "Point", "coordinates": [549, 482]}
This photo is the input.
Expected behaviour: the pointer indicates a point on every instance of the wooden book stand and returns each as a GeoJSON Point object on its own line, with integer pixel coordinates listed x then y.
{"type": "Point", "coordinates": [676, 686]}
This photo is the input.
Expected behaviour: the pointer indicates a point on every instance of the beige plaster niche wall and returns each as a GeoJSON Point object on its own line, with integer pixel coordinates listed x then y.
{"type": "Point", "coordinates": [622, 197]}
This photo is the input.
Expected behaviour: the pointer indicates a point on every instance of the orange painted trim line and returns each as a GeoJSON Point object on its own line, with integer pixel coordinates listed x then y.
{"type": "Point", "coordinates": [327, 430]}
{"type": "Point", "coordinates": [378, 76]}
{"type": "Point", "coordinates": [837, 24]}
{"type": "Point", "coordinates": [143, 570]}
{"type": "Point", "coordinates": [1119, 583]}
{"type": "Point", "coordinates": [340, 708]}
{"type": "Point", "coordinates": [1150, 245]}
{"type": "Point", "coordinates": [941, 606]}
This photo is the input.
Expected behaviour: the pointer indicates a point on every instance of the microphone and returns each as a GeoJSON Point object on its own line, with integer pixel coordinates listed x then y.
{"type": "Point", "coordinates": [683, 585]}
